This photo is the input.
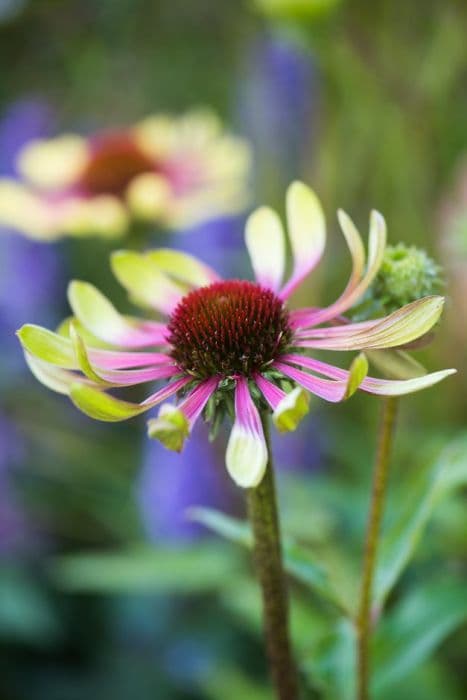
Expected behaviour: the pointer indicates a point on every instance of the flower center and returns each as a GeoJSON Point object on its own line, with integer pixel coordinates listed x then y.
{"type": "Point", "coordinates": [228, 328]}
{"type": "Point", "coordinates": [115, 160]}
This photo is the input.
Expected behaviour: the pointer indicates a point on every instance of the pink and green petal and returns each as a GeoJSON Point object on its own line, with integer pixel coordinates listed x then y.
{"type": "Point", "coordinates": [403, 326]}
{"type": "Point", "coordinates": [102, 406]}
{"type": "Point", "coordinates": [356, 248]}
{"type": "Point", "coordinates": [47, 346]}
{"type": "Point", "coordinates": [55, 378]}
{"type": "Point", "coordinates": [174, 423]}
{"type": "Point", "coordinates": [145, 282]}
{"type": "Point", "coordinates": [335, 390]}
{"type": "Point", "coordinates": [372, 385]}
{"type": "Point", "coordinates": [307, 233]}
{"type": "Point", "coordinates": [288, 408]}
{"type": "Point", "coordinates": [99, 316]}
{"type": "Point", "coordinates": [60, 351]}
{"type": "Point", "coordinates": [265, 241]}
{"type": "Point", "coordinates": [184, 268]}
{"type": "Point", "coordinates": [353, 292]}
{"type": "Point", "coordinates": [246, 455]}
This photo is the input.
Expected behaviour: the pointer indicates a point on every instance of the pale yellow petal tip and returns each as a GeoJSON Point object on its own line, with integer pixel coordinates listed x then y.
{"type": "Point", "coordinates": [54, 163]}
{"type": "Point", "coordinates": [246, 457]}
{"type": "Point", "coordinates": [171, 427]}
{"type": "Point", "coordinates": [300, 194]}
{"type": "Point", "coordinates": [291, 410]}
{"type": "Point", "coordinates": [148, 196]}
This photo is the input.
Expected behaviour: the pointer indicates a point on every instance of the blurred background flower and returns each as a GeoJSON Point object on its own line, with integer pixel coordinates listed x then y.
{"type": "Point", "coordinates": [166, 170]}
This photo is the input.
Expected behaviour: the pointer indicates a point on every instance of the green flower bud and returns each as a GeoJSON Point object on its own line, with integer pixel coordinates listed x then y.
{"type": "Point", "coordinates": [406, 274]}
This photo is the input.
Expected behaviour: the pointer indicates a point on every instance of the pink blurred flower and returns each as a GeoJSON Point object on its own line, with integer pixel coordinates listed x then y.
{"type": "Point", "coordinates": [171, 171]}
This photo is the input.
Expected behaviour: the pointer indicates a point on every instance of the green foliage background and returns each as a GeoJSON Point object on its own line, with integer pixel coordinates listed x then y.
{"type": "Point", "coordinates": [101, 613]}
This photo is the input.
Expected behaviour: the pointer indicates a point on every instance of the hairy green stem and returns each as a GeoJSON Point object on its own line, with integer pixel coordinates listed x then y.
{"type": "Point", "coordinates": [263, 516]}
{"type": "Point", "coordinates": [380, 480]}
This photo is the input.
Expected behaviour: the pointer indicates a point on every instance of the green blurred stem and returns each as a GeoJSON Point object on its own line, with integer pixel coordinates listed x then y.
{"type": "Point", "coordinates": [380, 479]}
{"type": "Point", "coordinates": [263, 516]}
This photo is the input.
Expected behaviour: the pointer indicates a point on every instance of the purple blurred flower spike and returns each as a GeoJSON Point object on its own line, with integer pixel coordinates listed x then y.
{"type": "Point", "coordinates": [31, 277]}
{"type": "Point", "coordinates": [23, 121]}
{"type": "Point", "coordinates": [221, 242]}
{"type": "Point", "coordinates": [278, 103]}
{"type": "Point", "coordinates": [302, 450]}
{"type": "Point", "coordinates": [171, 483]}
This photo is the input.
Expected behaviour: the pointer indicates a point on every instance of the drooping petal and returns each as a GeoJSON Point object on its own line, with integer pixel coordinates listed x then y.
{"type": "Point", "coordinates": [402, 326]}
{"type": "Point", "coordinates": [183, 267]}
{"type": "Point", "coordinates": [356, 247]}
{"type": "Point", "coordinates": [102, 406]}
{"type": "Point", "coordinates": [399, 387]}
{"type": "Point", "coordinates": [271, 392]}
{"type": "Point", "coordinates": [58, 350]}
{"type": "Point", "coordinates": [174, 423]}
{"type": "Point", "coordinates": [330, 390]}
{"type": "Point", "coordinates": [354, 291]}
{"type": "Point", "coordinates": [54, 378]}
{"type": "Point", "coordinates": [102, 319]}
{"type": "Point", "coordinates": [146, 284]}
{"type": "Point", "coordinates": [307, 233]}
{"type": "Point", "coordinates": [246, 455]}
{"type": "Point", "coordinates": [118, 377]}
{"type": "Point", "coordinates": [264, 237]}
{"type": "Point", "coordinates": [47, 346]}
{"type": "Point", "coordinates": [372, 385]}
{"type": "Point", "coordinates": [288, 408]}
{"type": "Point", "coordinates": [331, 331]}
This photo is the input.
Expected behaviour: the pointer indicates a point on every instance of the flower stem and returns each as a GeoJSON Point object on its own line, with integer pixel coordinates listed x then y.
{"type": "Point", "coordinates": [263, 515]}
{"type": "Point", "coordinates": [380, 480]}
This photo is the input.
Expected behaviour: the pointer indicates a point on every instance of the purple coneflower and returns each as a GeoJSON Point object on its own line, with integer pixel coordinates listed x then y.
{"type": "Point", "coordinates": [228, 346]}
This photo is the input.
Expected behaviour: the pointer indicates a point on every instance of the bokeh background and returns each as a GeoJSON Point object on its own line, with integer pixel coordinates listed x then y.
{"type": "Point", "coordinates": [107, 590]}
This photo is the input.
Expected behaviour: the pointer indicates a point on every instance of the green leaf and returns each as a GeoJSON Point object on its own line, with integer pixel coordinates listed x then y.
{"type": "Point", "coordinates": [422, 494]}
{"type": "Point", "coordinates": [332, 662]}
{"type": "Point", "coordinates": [414, 630]}
{"type": "Point", "coordinates": [298, 562]}
{"type": "Point", "coordinates": [146, 569]}
{"type": "Point", "coordinates": [26, 614]}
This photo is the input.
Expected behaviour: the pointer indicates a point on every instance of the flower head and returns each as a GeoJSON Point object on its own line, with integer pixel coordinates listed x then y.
{"type": "Point", "coordinates": [228, 347]}
{"type": "Point", "coordinates": [164, 170]}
